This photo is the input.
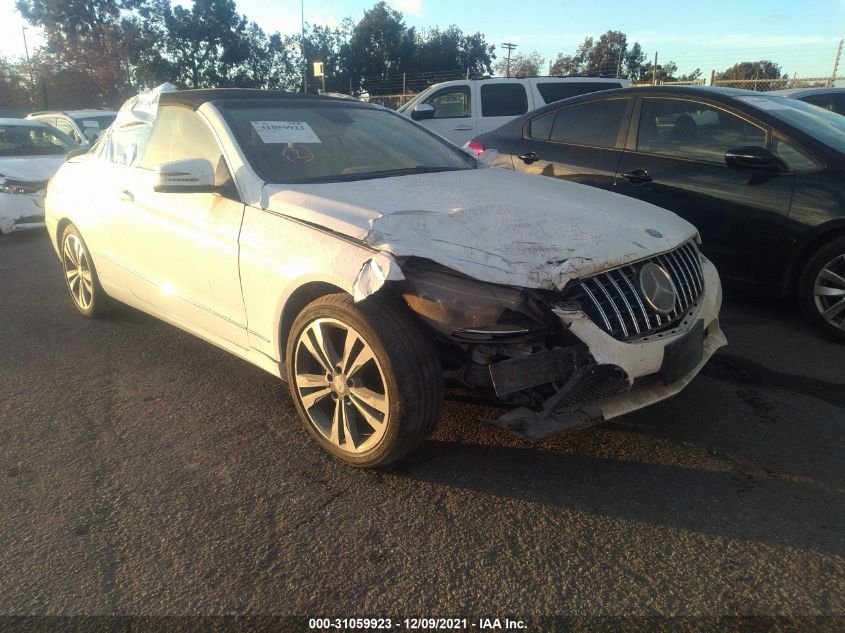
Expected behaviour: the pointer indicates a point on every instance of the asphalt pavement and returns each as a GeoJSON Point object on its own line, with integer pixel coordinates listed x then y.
{"type": "Point", "coordinates": [146, 472]}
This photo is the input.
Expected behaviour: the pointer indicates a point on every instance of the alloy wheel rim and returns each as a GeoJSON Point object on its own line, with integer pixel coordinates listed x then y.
{"type": "Point", "coordinates": [829, 292]}
{"type": "Point", "coordinates": [341, 385]}
{"type": "Point", "coordinates": [78, 272]}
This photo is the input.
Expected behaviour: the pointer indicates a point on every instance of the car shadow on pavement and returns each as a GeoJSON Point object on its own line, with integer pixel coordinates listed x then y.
{"type": "Point", "coordinates": [751, 450]}
{"type": "Point", "coordinates": [731, 503]}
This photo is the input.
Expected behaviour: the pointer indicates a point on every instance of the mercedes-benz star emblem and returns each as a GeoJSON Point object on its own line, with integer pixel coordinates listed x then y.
{"type": "Point", "coordinates": [657, 288]}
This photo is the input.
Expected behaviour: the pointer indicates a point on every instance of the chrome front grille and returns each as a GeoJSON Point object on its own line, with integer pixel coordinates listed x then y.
{"type": "Point", "coordinates": [614, 299]}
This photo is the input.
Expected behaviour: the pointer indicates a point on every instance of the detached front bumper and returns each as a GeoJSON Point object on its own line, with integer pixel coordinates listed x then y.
{"type": "Point", "coordinates": [21, 211]}
{"type": "Point", "coordinates": [624, 375]}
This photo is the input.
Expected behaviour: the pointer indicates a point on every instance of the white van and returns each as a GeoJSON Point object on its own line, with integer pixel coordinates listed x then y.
{"type": "Point", "coordinates": [459, 110]}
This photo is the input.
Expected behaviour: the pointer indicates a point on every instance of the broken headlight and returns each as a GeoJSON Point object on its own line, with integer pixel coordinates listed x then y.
{"type": "Point", "coordinates": [454, 304]}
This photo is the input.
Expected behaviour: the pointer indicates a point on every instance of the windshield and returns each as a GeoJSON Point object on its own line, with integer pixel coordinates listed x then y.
{"type": "Point", "coordinates": [293, 143]}
{"type": "Point", "coordinates": [93, 126]}
{"type": "Point", "coordinates": [33, 140]}
{"type": "Point", "coordinates": [823, 125]}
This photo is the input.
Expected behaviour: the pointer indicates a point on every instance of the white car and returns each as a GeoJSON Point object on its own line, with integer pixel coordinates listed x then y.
{"type": "Point", "coordinates": [30, 153]}
{"type": "Point", "coordinates": [83, 126]}
{"type": "Point", "coordinates": [364, 259]}
{"type": "Point", "coordinates": [462, 109]}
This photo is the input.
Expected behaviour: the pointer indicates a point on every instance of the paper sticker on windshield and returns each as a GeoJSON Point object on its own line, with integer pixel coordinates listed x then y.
{"type": "Point", "coordinates": [764, 103]}
{"type": "Point", "coordinates": [88, 123]}
{"type": "Point", "coordinates": [285, 132]}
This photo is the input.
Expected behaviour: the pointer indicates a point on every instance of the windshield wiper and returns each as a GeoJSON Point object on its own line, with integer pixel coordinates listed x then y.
{"type": "Point", "coordinates": [386, 173]}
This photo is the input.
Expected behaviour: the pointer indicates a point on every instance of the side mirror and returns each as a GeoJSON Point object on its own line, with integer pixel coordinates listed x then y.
{"type": "Point", "coordinates": [77, 152]}
{"type": "Point", "coordinates": [192, 175]}
{"type": "Point", "coordinates": [422, 111]}
{"type": "Point", "coordinates": [757, 158]}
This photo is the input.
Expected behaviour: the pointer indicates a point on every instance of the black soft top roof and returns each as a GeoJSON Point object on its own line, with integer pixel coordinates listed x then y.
{"type": "Point", "coordinates": [195, 98]}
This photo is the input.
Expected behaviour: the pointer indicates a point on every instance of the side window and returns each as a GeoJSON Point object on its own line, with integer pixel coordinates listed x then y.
{"type": "Point", "coordinates": [541, 127]}
{"type": "Point", "coordinates": [66, 126]}
{"type": "Point", "coordinates": [556, 90]}
{"type": "Point", "coordinates": [835, 102]}
{"type": "Point", "coordinates": [502, 99]}
{"type": "Point", "coordinates": [452, 102]}
{"type": "Point", "coordinates": [795, 159]}
{"type": "Point", "coordinates": [821, 100]}
{"type": "Point", "coordinates": [179, 134]}
{"type": "Point", "coordinates": [697, 131]}
{"type": "Point", "coordinates": [594, 123]}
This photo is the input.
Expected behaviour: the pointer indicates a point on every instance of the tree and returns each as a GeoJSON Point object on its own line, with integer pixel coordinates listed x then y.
{"type": "Point", "coordinates": [379, 45]}
{"type": "Point", "coordinates": [270, 62]}
{"type": "Point", "coordinates": [15, 86]}
{"type": "Point", "coordinates": [763, 69]}
{"type": "Point", "coordinates": [609, 56]}
{"type": "Point", "coordinates": [330, 45]}
{"type": "Point", "coordinates": [96, 53]}
{"type": "Point", "coordinates": [529, 65]}
{"type": "Point", "coordinates": [768, 72]}
{"type": "Point", "coordinates": [207, 43]}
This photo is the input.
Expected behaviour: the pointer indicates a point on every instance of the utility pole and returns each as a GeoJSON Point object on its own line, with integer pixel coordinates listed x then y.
{"type": "Point", "coordinates": [654, 71]}
{"type": "Point", "coordinates": [302, 47]}
{"type": "Point", "coordinates": [508, 47]}
{"type": "Point", "coordinates": [835, 65]}
{"type": "Point", "coordinates": [32, 80]}
{"type": "Point", "coordinates": [619, 63]}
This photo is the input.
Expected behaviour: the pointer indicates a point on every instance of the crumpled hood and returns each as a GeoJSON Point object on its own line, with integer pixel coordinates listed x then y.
{"type": "Point", "coordinates": [30, 168]}
{"type": "Point", "coordinates": [492, 224]}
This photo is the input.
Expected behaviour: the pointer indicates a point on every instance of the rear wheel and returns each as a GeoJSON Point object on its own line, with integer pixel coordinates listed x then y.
{"type": "Point", "coordinates": [366, 382]}
{"type": "Point", "coordinates": [81, 276]}
{"type": "Point", "coordinates": [821, 290]}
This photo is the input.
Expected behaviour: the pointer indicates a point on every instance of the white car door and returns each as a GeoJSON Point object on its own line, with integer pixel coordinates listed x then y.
{"type": "Point", "coordinates": [454, 115]}
{"type": "Point", "coordinates": [501, 101]}
{"type": "Point", "coordinates": [183, 247]}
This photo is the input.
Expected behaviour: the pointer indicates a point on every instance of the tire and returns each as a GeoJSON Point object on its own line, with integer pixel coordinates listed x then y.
{"type": "Point", "coordinates": [821, 290]}
{"type": "Point", "coordinates": [389, 387]}
{"type": "Point", "coordinates": [84, 287]}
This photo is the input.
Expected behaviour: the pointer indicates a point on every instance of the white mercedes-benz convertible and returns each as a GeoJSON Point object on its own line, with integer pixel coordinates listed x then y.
{"type": "Point", "coordinates": [367, 261]}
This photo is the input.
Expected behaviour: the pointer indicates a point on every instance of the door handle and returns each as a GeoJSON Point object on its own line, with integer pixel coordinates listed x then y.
{"type": "Point", "coordinates": [529, 157]}
{"type": "Point", "coordinates": [638, 176]}
{"type": "Point", "coordinates": [127, 196]}
{"type": "Point", "coordinates": [462, 128]}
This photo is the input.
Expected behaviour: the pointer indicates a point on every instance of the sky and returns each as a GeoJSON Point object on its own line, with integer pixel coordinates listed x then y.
{"type": "Point", "coordinates": [801, 35]}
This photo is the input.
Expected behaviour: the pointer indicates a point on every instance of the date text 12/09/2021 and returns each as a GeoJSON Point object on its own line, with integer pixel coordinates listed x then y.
{"type": "Point", "coordinates": [412, 624]}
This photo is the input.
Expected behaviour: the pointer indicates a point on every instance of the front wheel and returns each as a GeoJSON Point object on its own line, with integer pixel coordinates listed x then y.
{"type": "Point", "coordinates": [81, 276]}
{"type": "Point", "coordinates": [821, 290]}
{"type": "Point", "coordinates": [366, 381]}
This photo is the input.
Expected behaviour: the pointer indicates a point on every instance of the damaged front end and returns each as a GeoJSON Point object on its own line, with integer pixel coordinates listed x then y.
{"type": "Point", "coordinates": [541, 351]}
{"type": "Point", "coordinates": [21, 204]}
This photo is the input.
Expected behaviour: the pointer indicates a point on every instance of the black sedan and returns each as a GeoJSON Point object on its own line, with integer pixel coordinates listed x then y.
{"type": "Point", "coordinates": [761, 176]}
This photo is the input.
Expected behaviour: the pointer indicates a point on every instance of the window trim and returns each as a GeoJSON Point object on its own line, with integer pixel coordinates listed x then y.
{"type": "Point", "coordinates": [621, 135]}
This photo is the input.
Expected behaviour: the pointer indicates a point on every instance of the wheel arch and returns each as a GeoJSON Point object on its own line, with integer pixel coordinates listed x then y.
{"type": "Point", "coordinates": [60, 229]}
{"type": "Point", "coordinates": [296, 302]}
{"type": "Point", "coordinates": [817, 238]}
